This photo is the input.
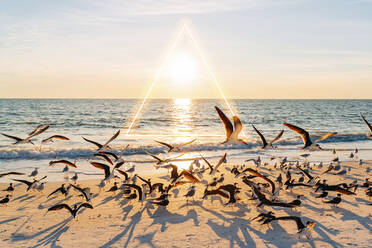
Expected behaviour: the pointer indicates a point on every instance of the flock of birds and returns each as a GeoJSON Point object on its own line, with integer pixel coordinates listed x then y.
{"type": "Point", "coordinates": [263, 187]}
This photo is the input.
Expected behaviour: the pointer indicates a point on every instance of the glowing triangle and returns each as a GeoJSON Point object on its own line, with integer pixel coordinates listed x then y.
{"type": "Point", "coordinates": [184, 29]}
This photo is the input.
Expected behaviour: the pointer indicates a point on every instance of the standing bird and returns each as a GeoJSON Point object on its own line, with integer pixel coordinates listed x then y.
{"type": "Point", "coordinates": [369, 135]}
{"type": "Point", "coordinates": [113, 188]}
{"type": "Point", "coordinates": [27, 139]}
{"type": "Point", "coordinates": [74, 178]}
{"type": "Point", "coordinates": [73, 211]}
{"type": "Point", "coordinates": [190, 193]}
{"type": "Point", "coordinates": [305, 136]}
{"type": "Point", "coordinates": [10, 188]}
{"type": "Point", "coordinates": [232, 132]}
{"type": "Point", "coordinates": [322, 195]}
{"type": "Point", "coordinates": [5, 200]}
{"type": "Point", "coordinates": [335, 201]}
{"type": "Point", "coordinates": [34, 172]}
{"type": "Point", "coordinates": [106, 145]}
{"type": "Point", "coordinates": [263, 140]}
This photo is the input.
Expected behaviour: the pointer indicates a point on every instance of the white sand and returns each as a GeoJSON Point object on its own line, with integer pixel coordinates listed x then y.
{"type": "Point", "coordinates": [115, 222]}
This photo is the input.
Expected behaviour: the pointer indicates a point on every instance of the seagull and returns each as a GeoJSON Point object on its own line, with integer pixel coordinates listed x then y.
{"type": "Point", "coordinates": [40, 187]}
{"type": "Point", "coordinates": [174, 147]}
{"type": "Point", "coordinates": [74, 178]}
{"type": "Point", "coordinates": [308, 144]}
{"type": "Point", "coordinates": [34, 172]}
{"type": "Point", "coordinates": [104, 146]}
{"type": "Point", "coordinates": [263, 140]}
{"type": "Point", "coordinates": [369, 135]}
{"type": "Point", "coordinates": [214, 169]}
{"type": "Point", "coordinates": [73, 211]}
{"type": "Point", "coordinates": [52, 139]}
{"type": "Point", "coordinates": [232, 132]}
{"type": "Point", "coordinates": [27, 139]}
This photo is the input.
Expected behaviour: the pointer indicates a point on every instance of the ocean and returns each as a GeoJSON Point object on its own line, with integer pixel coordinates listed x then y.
{"type": "Point", "coordinates": [174, 121]}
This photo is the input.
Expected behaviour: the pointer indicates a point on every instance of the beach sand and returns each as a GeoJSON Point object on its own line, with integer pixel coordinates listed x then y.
{"type": "Point", "coordinates": [117, 222]}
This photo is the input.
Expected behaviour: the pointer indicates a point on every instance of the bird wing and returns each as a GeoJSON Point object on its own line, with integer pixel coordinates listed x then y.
{"type": "Point", "coordinates": [11, 173]}
{"type": "Point", "coordinates": [104, 167]}
{"type": "Point", "coordinates": [187, 143]}
{"type": "Point", "coordinates": [226, 122]}
{"type": "Point", "coordinates": [222, 159]}
{"type": "Point", "coordinates": [23, 181]}
{"type": "Point", "coordinates": [277, 137]}
{"type": "Point", "coordinates": [110, 153]}
{"type": "Point", "coordinates": [326, 136]}
{"type": "Point", "coordinates": [86, 205]}
{"type": "Point", "coordinates": [12, 137]}
{"type": "Point", "coordinates": [189, 176]}
{"type": "Point", "coordinates": [60, 206]}
{"type": "Point", "coordinates": [366, 122]}
{"type": "Point", "coordinates": [302, 132]}
{"type": "Point", "coordinates": [60, 137]}
{"type": "Point", "coordinates": [263, 140]}
{"type": "Point", "coordinates": [165, 144]}
{"type": "Point", "coordinates": [124, 174]}
{"type": "Point", "coordinates": [66, 162]}
{"type": "Point", "coordinates": [112, 138]}
{"type": "Point", "coordinates": [55, 191]}
{"type": "Point", "coordinates": [33, 131]}
{"type": "Point", "coordinates": [209, 165]}
{"type": "Point", "coordinates": [238, 126]}
{"type": "Point", "coordinates": [298, 221]}
{"type": "Point", "coordinates": [104, 156]}
{"type": "Point", "coordinates": [136, 187]}
{"type": "Point", "coordinates": [81, 191]}
{"type": "Point", "coordinates": [146, 181]}
{"type": "Point", "coordinates": [93, 142]}
{"type": "Point", "coordinates": [152, 155]}
{"type": "Point", "coordinates": [41, 130]}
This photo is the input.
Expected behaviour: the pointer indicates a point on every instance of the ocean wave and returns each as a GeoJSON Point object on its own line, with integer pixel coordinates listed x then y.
{"type": "Point", "coordinates": [24, 153]}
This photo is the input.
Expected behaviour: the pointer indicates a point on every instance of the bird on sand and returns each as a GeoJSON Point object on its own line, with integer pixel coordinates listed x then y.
{"type": "Point", "coordinates": [334, 201]}
{"type": "Point", "coordinates": [5, 200]}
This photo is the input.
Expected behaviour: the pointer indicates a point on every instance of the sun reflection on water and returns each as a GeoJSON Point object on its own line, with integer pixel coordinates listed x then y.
{"type": "Point", "coordinates": [182, 121]}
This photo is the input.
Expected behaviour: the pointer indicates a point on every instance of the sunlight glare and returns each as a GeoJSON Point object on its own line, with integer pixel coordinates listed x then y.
{"type": "Point", "coordinates": [181, 68]}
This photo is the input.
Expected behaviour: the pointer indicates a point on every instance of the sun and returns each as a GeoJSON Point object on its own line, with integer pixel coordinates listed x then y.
{"type": "Point", "coordinates": [181, 68]}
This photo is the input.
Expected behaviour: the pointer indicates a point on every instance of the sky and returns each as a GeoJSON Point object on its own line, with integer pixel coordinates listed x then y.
{"type": "Point", "coordinates": [256, 49]}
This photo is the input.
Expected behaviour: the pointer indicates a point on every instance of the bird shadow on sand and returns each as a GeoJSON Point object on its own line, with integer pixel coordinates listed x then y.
{"type": "Point", "coordinates": [162, 217]}
{"type": "Point", "coordinates": [129, 229]}
{"type": "Point", "coordinates": [10, 220]}
{"type": "Point", "coordinates": [47, 236]}
{"type": "Point", "coordinates": [146, 239]}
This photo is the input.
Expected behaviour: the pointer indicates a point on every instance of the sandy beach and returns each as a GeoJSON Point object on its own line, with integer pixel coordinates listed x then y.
{"type": "Point", "coordinates": [118, 222]}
